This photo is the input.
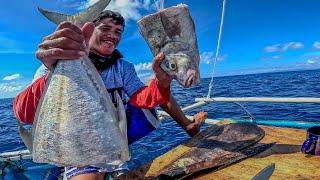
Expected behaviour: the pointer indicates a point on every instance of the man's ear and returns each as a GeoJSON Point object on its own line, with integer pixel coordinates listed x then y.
{"type": "Point", "coordinates": [87, 30]}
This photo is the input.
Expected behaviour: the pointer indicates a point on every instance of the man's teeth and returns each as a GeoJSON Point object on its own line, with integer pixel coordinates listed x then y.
{"type": "Point", "coordinates": [109, 42]}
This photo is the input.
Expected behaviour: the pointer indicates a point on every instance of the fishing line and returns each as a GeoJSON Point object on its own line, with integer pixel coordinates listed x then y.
{"type": "Point", "coordinates": [159, 4]}
{"type": "Point", "coordinates": [217, 49]}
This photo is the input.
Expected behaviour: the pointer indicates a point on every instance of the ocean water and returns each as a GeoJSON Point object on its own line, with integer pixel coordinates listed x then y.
{"type": "Point", "coordinates": [169, 134]}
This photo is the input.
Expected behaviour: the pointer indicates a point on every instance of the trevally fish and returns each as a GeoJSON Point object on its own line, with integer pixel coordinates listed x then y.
{"type": "Point", "coordinates": [172, 31]}
{"type": "Point", "coordinates": [76, 123]}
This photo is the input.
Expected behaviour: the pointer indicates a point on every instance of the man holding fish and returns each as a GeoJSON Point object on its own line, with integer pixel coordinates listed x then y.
{"type": "Point", "coordinates": [102, 36]}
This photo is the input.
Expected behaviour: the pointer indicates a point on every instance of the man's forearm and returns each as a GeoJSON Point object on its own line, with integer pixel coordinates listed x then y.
{"type": "Point", "coordinates": [174, 110]}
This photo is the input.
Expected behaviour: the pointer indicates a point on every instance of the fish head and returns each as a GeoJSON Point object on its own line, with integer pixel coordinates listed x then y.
{"type": "Point", "coordinates": [181, 63]}
{"type": "Point", "coordinates": [181, 68]}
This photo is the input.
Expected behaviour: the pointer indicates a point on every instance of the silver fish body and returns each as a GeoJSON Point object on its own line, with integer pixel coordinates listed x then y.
{"type": "Point", "coordinates": [76, 123]}
{"type": "Point", "coordinates": [172, 31]}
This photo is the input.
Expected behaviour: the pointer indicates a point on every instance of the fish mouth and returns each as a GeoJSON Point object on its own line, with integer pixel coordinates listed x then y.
{"type": "Point", "coordinates": [189, 81]}
{"type": "Point", "coordinates": [190, 77]}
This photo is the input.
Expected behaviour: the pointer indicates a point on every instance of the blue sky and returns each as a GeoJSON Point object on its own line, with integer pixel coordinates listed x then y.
{"type": "Point", "coordinates": [258, 36]}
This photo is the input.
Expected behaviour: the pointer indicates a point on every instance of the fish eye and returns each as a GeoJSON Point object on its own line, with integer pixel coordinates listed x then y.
{"type": "Point", "coordinates": [173, 66]}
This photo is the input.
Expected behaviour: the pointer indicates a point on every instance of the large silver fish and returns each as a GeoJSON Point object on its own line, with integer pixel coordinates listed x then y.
{"type": "Point", "coordinates": [76, 123]}
{"type": "Point", "coordinates": [172, 31]}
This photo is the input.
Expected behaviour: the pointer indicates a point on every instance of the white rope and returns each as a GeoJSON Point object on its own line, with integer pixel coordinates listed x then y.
{"type": "Point", "coordinates": [159, 4]}
{"type": "Point", "coordinates": [217, 49]}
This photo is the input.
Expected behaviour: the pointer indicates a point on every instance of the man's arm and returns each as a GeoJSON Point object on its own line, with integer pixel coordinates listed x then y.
{"type": "Point", "coordinates": [150, 96]}
{"type": "Point", "coordinates": [157, 91]}
{"type": "Point", "coordinates": [174, 110]}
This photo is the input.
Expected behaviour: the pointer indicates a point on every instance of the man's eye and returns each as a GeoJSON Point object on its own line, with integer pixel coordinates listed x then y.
{"type": "Point", "coordinates": [104, 29]}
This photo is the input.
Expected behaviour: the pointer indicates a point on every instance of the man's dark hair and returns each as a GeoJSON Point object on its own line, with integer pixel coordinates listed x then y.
{"type": "Point", "coordinates": [119, 20]}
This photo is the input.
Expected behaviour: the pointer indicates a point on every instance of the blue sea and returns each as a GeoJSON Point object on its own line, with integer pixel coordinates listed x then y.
{"type": "Point", "coordinates": [169, 134]}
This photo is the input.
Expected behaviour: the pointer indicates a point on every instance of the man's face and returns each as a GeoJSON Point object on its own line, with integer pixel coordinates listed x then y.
{"type": "Point", "coordinates": [106, 37]}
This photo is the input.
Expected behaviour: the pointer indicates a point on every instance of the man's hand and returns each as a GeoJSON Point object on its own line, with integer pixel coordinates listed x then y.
{"type": "Point", "coordinates": [163, 78]}
{"type": "Point", "coordinates": [194, 127]}
{"type": "Point", "coordinates": [67, 42]}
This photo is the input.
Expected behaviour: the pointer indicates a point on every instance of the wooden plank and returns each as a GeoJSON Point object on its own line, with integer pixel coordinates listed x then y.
{"type": "Point", "coordinates": [290, 162]}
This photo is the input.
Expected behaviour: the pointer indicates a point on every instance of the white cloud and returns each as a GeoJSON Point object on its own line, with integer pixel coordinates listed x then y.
{"type": "Point", "coordinates": [143, 66]}
{"type": "Point", "coordinates": [10, 87]}
{"type": "Point", "coordinates": [316, 45]}
{"type": "Point", "coordinates": [311, 59]}
{"type": "Point", "coordinates": [292, 45]}
{"type": "Point", "coordinates": [208, 57]}
{"type": "Point", "coordinates": [273, 48]}
{"type": "Point", "coordinates": [276, 57]}
{"type": "Point", "coordinates": [144, 71]}
{"type": "Point", "coordinates": [283, 47]}
{"type": "Point", "coordinates": [129, 9]}
{"type": "Point", "coordinates": [310, 62]}
{"type": "Point", "coordinates": [12, 77]}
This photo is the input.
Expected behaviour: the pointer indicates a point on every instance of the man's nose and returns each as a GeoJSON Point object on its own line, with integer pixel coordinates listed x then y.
{"type": "Point", "coordinates": [111, 35]}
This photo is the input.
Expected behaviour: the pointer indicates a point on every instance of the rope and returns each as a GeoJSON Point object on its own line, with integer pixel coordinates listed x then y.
{"type": "Point", "coordinates": [159, 4]}
{"type": "Point", "coordinates": [217, 49]}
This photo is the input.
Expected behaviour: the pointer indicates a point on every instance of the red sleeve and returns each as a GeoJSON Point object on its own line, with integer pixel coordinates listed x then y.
{"type": "Point", "coordinates": [150, 96]}
{"type": "Point", "coordinates": [26, 102]}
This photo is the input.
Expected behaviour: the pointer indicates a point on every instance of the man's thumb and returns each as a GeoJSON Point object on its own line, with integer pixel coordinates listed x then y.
{"type": "Point", "coordinates": [87, 30]}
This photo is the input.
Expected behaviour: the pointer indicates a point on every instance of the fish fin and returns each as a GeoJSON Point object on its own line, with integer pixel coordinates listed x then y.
{"type": "Point", "coordinates": [54, 17]}
{"type": "Point", "coordinates": [87, 15]}
{"type": "Point", "coordinates": [25, 135]}
{"type": "Point", "coordinates": [122, 119]}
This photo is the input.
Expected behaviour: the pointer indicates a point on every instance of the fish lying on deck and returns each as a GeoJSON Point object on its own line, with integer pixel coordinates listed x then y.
{"type": "Point", "coordinates": [214, 148]}
{"type": "Point", "coordinates": [172, 32]}
{"type": "Point", "coordinates": [220, 146]}
{"type": "Point", "coordinates": [76, 123]}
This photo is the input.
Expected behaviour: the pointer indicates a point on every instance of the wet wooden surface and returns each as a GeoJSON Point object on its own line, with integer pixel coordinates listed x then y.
{"type": "Point", "coordinates": [290, 163]}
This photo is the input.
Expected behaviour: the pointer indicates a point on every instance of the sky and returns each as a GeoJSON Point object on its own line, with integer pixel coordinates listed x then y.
{"type": "Point", "coordinates": [258, 36]}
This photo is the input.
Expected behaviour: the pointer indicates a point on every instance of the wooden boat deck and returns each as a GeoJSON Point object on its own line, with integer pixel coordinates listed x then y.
{"type": "Point", "coordinates": [290, 163]}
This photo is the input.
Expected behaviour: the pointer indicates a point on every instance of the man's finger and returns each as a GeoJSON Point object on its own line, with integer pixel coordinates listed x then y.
{"type": "Point", "coordinates": [158, 59]}
{"type": "Point", "coordinates": [66, 32]}
{"type": "Point", "coordinates": [69, 25]}
{"type": "Point", "coordinates": [62, 43]}
{"type": "Point", "coordinates": [87, 31]}
{"type": "Point", "coordinates": [57, 53]}
{"type": "Point", "coordinates": [156, 65]}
